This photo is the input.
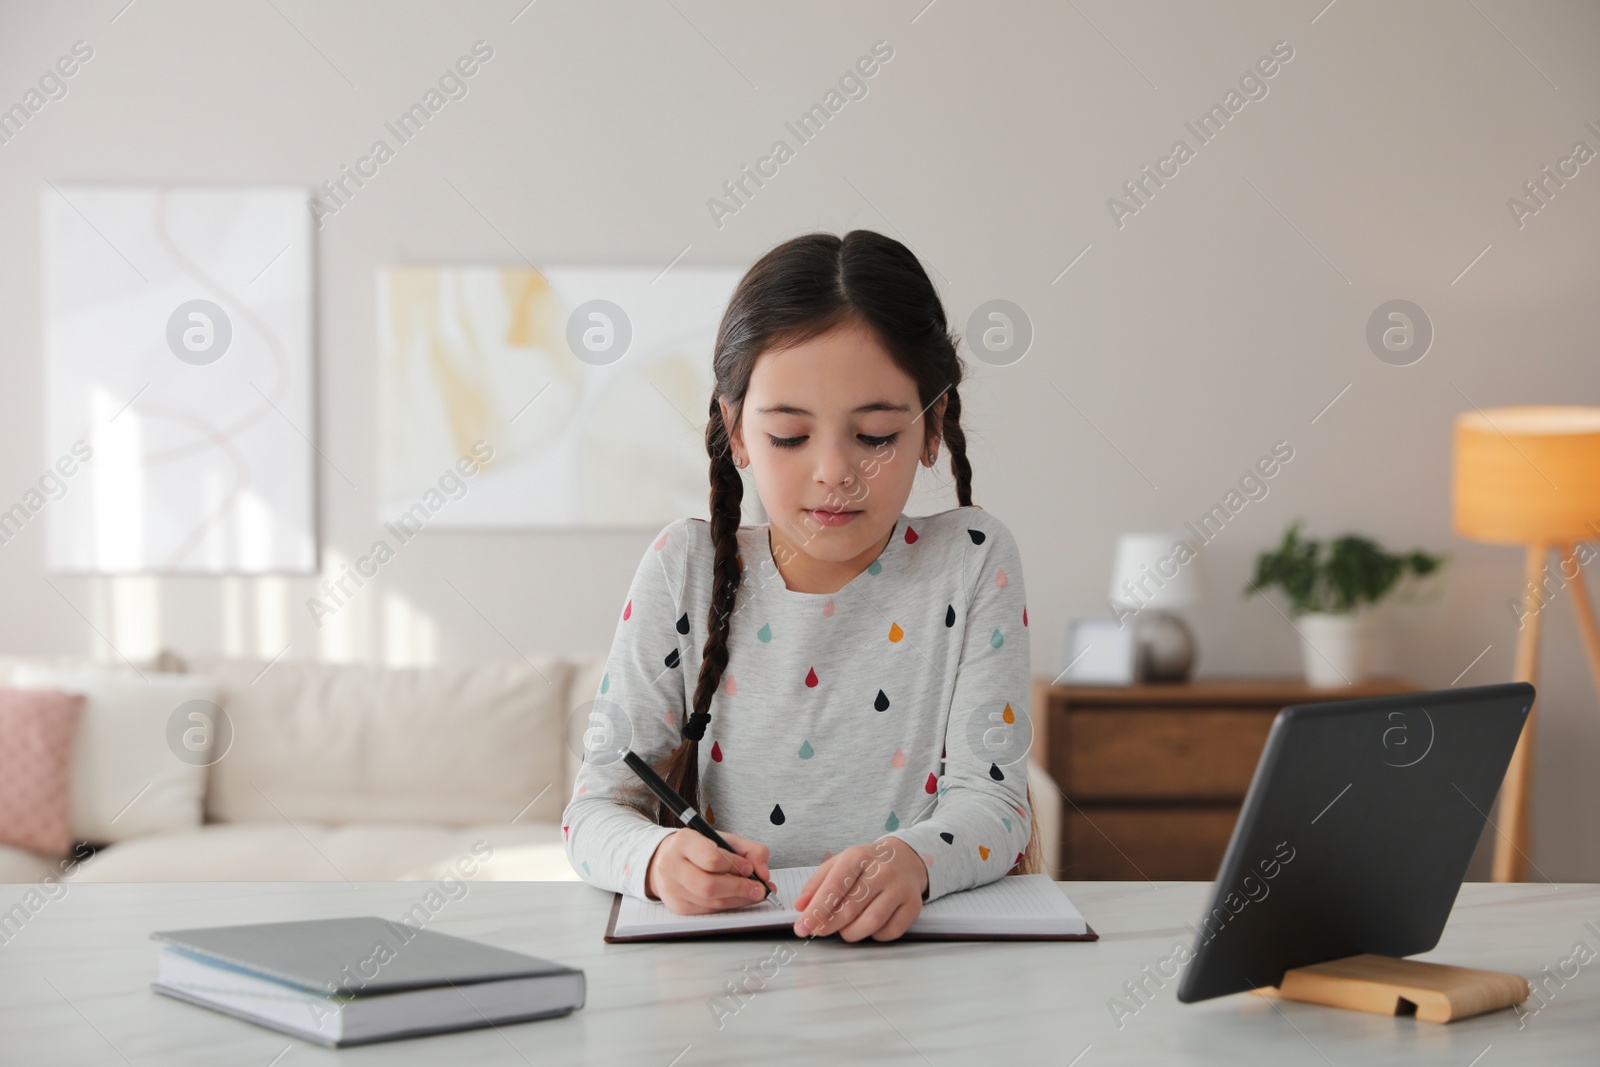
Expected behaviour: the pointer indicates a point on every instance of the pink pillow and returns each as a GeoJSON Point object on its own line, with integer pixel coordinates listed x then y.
{"type": "Point", "coordinates": [36, 730]}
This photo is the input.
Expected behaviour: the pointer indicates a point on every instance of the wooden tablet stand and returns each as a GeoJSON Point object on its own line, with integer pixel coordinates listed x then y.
{"type": "Point", "coordinates": [1386, 985]}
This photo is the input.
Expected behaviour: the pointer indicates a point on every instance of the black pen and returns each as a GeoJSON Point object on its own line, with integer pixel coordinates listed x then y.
{"type": "Point", "coordinates": [680, 807]}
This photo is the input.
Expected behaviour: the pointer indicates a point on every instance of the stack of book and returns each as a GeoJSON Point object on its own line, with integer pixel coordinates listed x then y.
{"type": "Point", "coordinates": [350, 981]}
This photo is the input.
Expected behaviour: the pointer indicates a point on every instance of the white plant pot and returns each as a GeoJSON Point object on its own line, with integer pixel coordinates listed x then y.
{"type": "Point", "coordinates": [1336, 649]}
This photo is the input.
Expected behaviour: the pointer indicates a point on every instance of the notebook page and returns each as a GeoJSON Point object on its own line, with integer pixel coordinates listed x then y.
{"type": "Point", "coordinates": [1026, 903]}
{"type": "Point", "coordinates": [1011, 904]}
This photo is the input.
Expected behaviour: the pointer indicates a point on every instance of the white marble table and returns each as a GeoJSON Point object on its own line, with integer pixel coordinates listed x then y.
{"type": "Point", "coordinates": [75, 987]}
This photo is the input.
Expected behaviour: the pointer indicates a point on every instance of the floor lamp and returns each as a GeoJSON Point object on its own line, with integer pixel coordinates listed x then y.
{"type": "Point", "coordinates": [1531, 476]}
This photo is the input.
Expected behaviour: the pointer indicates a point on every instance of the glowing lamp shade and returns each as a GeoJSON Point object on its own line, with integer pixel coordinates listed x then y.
{"type": "Point", "coordinates": [1527, 475]}
{"type": "Point", "coordinates": [1531, 476]}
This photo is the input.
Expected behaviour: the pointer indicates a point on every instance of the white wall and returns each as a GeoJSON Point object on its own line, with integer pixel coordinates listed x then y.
{"type": "Point", "coordinates": [1219, 319]}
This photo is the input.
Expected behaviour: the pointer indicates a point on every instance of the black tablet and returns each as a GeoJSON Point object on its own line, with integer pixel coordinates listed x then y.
{"type": "Point", "coordinates": [1355, 834]}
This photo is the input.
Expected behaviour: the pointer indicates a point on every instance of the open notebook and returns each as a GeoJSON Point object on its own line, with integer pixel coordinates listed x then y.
{"type": "Point", "coordinates": [1019, 907]}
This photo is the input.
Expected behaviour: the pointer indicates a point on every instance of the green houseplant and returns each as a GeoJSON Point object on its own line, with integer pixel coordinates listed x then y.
{"type": "Point", "coordinates": [1331, 589]}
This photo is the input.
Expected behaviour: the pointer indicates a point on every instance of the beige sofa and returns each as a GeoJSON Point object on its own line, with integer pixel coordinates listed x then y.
{"type": "Point", "coordinates": [373, 774]}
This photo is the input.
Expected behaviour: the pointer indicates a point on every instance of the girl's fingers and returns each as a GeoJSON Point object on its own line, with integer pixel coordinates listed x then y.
{"type": "Point", "coordinates": [709, 856]}
{"type": "Point", "coordinates": [815, 880]}
{"type": "Point", "coordinates": [721, 891]}
{"type": "Point", "coordinates": [873, 918]}
{"type": "Point", "coordinates": [751, 852]}
{"type": "Point", "coordinates": [835, 903]}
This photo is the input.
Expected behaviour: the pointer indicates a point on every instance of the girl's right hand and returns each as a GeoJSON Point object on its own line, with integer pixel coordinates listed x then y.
{"type": "Point", "coordinates": [692, 875]}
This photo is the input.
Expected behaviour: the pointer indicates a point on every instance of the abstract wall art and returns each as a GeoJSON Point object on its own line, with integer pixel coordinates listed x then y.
{"type": "Point", "coordinates": [575, 396]}
{"type": "Point", "coordinates": [177, 348]}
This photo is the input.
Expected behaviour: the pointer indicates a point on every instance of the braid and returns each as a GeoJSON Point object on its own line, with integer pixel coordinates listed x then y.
{"type": "Point", "coordinates": [1033, 853]}
{"type": "Point", "coordinates": [682, 767]}
{"type": "Point", "coordinates": [957, 439]}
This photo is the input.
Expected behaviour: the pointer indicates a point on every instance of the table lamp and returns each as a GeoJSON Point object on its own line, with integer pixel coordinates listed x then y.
{"type": "Point", "coordinates": [1154, 574]}
{"type": "Point", "coordinates": [1531, 476]}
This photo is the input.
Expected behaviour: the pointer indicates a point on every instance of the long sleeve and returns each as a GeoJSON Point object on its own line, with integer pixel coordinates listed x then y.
{"type": "Point", "coordinates": [980, 821]}
{"type": "Point", "coordinates": [608, 843]}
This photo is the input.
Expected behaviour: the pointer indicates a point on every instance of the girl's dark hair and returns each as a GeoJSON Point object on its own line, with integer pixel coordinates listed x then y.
{"type": "Point", "coordinates": [799, 290]}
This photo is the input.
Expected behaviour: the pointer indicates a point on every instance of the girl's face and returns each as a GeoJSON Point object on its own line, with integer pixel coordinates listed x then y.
{"type": "Point", "coordinates": [832, 426]}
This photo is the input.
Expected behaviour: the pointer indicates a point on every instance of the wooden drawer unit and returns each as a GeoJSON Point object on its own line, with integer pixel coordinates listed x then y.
{"type": "Point", "coordinates": [1142, 752]}
{"type": "Point", "coordinates": [1153, 775]}
{"type": "Point", "coordinates": [1132, 844]}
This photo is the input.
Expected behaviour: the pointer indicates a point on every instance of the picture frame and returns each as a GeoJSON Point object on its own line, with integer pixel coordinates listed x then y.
{"type": "Point", "coordinates": [1099, 652]}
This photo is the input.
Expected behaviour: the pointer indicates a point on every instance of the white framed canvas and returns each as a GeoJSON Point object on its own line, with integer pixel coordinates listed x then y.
{"type": "Point", "coordinates": [558, 397]}
{"type": "Point", "coordinates": [177, 348]}
{"type": "Point", "coordinates": [1099, 652]}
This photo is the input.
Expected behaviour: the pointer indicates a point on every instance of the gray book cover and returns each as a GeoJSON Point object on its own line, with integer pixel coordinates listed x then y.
{"type": "Point", "coordinates": [358, 955]}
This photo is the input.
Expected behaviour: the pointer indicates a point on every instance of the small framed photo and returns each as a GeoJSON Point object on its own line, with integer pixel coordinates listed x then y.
{"type": "Point", "coordinates": [1099, 652]}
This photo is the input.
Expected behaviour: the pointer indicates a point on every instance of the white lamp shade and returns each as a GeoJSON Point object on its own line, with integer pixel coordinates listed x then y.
{"type": "Point", "coordinates": [1150, 572]}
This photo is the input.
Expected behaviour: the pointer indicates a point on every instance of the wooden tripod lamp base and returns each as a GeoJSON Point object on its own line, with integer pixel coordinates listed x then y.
{"type": "Point", "coordinates": [1386, 985]}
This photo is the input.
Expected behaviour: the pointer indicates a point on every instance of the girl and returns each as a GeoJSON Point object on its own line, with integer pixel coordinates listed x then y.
{"type": "Point", "coordinates": [844, 686]}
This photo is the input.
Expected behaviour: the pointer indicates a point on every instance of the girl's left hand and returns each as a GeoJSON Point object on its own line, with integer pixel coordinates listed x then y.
{"type": "Point", "coordinates": [865, 890]}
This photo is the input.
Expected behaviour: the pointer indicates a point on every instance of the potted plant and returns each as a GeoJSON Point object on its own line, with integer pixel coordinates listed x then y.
{"type": "Point", "coordinates": [1331, 590]}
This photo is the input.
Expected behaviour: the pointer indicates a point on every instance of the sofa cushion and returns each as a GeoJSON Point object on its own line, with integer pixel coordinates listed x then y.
{"type": "Point", "coordinates": [337, 744]}
{"type": "Point", "coordinates": [309, 852]}
{"type": "Point", "coordinates": [126, 776]}
{"type": "Point", "coordinates": [36, 729]}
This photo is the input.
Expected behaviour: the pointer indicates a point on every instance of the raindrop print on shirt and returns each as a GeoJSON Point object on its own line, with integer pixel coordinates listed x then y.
{"type": "Point", "coordinates": [806, 751]}
{"type": "Point", "coordinates": [882, 702]}
{"type": "Point", "coordinates": [811, 678]}
{"type": "Point", "coordinates": [777, 815]}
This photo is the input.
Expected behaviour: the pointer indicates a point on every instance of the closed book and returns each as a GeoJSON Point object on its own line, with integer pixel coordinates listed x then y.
{"type": "Point", "coordinates": [359, 979]}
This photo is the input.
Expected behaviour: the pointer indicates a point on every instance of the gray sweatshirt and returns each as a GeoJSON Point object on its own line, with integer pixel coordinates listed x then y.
{"type": "Point", "coordinates": [897, 706]}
